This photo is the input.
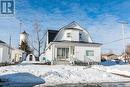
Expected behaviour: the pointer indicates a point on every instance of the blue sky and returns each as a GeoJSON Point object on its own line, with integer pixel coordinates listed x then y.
{"type": "Point", "coordinates": [99, 17]}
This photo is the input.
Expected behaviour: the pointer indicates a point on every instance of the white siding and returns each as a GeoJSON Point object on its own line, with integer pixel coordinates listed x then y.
{"type": "Point", "coordinates": [75, 35]}
{"type": "Point", "coordinates": [16, 55]}
{"type": "Point", "coordinates": [5, 54]}
{"type": "Point", "coordinates": [64, 37]}
{"type": "Point", "coordinates": [1, 54]}
{"type": "Point", "coordinates": [80, 53]}
{"type": "Point", "coordinates": [48, 53]}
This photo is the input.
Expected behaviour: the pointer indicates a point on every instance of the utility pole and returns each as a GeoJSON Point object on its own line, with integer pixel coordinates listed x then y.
{"type": "Point", "coordinates": [9, 51]}
{"type": "Point", "coordinates": [20, 26]}
{"type": "Point", "coordinates": [123, 37]}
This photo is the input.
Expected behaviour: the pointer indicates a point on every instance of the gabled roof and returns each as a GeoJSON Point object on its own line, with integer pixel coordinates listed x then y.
{"type": "Point", "coordinates": [73, 25]}
{"type": "Point", "coordinates": [53, 34]}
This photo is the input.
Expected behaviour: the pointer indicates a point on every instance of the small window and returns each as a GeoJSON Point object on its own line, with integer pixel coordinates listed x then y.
{"type": "Point", "coordinates": [80, 36]}
{"type": "Point", "coordinates": [68, 35]}
{"type": "Point", "coordinates": [89, 53]}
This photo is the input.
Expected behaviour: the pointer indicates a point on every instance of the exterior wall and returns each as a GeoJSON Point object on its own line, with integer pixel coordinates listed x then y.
{"type": "Point", "coordinates": [48, 53]}
{"type": "Point", "coordinates": [63, 35]}
{"type": "Point", "coordinates": [74, 35]}
{"type": "Point", "coordinates": [1, 54]}
{"type": "Point", "coordinates": [4, 55]}
{"type": "Point", "coordinates": [16, 55]}
{"type": "Point", "coordinates": [80, 53]}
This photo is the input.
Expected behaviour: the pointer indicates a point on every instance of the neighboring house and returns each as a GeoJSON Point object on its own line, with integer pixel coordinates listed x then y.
{"type": "Point", "coordinates": [70, 44]}
{"type": "Point", "coordinates": [109, 56]}
{"type": "Point", "coordinates": [4, 52]}
{"type": "Point", "coordinates": [17, 55]}
{"type": "Point", "coordinates": [124, 56]}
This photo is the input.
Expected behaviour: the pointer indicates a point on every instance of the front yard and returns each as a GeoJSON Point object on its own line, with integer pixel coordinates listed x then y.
{"type": "Point", "coordinates": [60, 74]}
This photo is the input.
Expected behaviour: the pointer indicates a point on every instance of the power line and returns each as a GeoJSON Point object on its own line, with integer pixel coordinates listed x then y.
{"type": "Point", "coordinates": [115, 41]}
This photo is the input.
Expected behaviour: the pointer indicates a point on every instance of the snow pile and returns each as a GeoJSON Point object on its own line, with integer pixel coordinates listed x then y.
{"type": "Point", "coordinates": [60, 74]}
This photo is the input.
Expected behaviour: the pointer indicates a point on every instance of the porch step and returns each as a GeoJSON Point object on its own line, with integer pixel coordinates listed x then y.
{"type": "Point", "coordinates": [62, 62]}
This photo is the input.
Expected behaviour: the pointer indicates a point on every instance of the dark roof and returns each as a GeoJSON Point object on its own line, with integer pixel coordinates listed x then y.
{"type": "Point", "coordinates": [2, 41]}
{"type": "Point", "coordinates": [51, 35]}
{"type": "Point", "coordinates": [79, 42]}
{"type": "Point", "coordinates": [108, 54]}
{"type": "Point", "coordinates": [24, 32]}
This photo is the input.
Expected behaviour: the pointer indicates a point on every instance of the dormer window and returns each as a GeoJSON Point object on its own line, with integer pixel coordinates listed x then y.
{"type": "Point", "coordinates": [68, 35]}
{"type": "Point", "coordinates": [80, 36]}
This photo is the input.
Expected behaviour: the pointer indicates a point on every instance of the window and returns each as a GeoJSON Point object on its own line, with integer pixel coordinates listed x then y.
{"type": "Point", "coordinates": [80, 36]}
{"type": "Point", "coordinates": [68, 35]}
{"type": "Point", "coordinates": [89, 53]}
{"type": "Point", "coordinates": [62, 53]}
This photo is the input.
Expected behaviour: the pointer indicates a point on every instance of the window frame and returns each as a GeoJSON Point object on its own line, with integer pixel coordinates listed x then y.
{"type": "Point", "coordinates": [68, 35]}
{"type": "Point", "coordinates": [89, 52]}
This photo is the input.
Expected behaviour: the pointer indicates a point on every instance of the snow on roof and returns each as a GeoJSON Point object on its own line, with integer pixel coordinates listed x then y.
{"type": "Point", "coordinates": [73, 25]}
{"type": "Point", "coordinates": [108, 54]}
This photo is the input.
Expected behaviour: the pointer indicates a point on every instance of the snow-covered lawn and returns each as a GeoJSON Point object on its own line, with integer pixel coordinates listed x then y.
{"type": "Point", "coordinates": [59, 74]}
{"type": "Point", "coordinates": [123, 70]}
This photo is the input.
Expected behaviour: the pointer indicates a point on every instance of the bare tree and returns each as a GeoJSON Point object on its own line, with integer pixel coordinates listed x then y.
{"type": "Point", "coordinates": [39, 37]}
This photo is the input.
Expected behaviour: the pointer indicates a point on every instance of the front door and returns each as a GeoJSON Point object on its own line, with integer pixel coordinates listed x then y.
{"type": "Point", "coordinates": [62, 53]}
{"type": "Point", "coordinates": [30, 58]}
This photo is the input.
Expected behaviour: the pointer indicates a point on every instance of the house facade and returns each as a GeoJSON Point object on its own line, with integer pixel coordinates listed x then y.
{"type": "Point", "coordinates": [17, 55]}
{"type": "Point", "coordinates": [4, 53]}
{"type": "Point", "coordinates": [71, 44]}
{"type": "Point", "coordinates": [109, 56]}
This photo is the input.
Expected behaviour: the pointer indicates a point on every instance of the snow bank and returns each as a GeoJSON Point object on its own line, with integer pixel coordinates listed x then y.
{"type": "Point", "coordinates": [123, 70]}
{"type": "Point", "coordinates": [60, 74]}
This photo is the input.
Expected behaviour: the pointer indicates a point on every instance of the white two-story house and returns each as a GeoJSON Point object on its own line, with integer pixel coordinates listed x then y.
{"type": "Point", "coordinates": [71, 44]}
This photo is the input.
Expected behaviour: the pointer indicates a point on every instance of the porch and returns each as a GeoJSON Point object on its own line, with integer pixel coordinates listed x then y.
{"type": "Point", "coordinates": [69, 55]}
{"type": "Point", "coordinates": [64, 55]}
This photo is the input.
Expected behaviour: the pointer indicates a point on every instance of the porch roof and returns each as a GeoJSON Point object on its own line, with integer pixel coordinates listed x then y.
{"type": "Point", "coordinates": [79, 42]}
{"type": "Point", "coordinates": [75, 43]}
